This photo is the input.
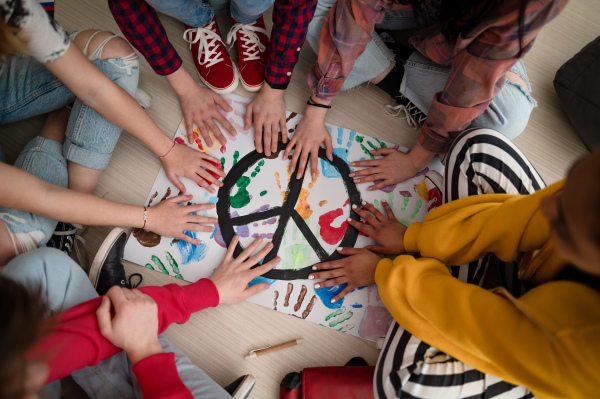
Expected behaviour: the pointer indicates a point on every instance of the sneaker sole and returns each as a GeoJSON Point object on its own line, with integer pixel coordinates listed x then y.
{"type": "Point", "coordinates": [226, 90]}
{"type": "Point", "coordinates": [243, 390]}
{"type": "Point", "coordinates": [103, 251]}
{"type": "Point", "coordinates": [251, 88]}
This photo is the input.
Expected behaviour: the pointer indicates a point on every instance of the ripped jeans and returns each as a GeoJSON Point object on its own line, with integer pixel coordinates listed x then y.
{"type": "Point", "coordinates": [29, 89]}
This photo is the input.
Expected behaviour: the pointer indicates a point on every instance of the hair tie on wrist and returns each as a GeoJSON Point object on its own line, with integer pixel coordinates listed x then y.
{"type": "Point", "coordinates": [317, 105]}
{"type": "Point", "coordinates": [168, 151]}
{"type": "Point", "coordinates": [145, 217]}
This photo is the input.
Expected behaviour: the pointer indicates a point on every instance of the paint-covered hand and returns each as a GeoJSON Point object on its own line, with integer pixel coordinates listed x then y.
{"type": "Point", "coordinates": [195, 165]}
{"type": "Point", "coordinates": [356, 270]}
{"type": "Point", "coordinates": [395, 166]}
{"type": "Point", "coordinates": [307, 139]}
{"type": "Point", "coordinates": [200, 105]}
{"type": "Point", "coordinates": [233, 274]}
{"type": "Point", "coordinates": [169, 219]}
{"type": "Point", "coordinates": [267, 110]}
{"type": "Point", "coordinates": [134, 326]}
{"type": "Point", "coordinates": [386, 230]}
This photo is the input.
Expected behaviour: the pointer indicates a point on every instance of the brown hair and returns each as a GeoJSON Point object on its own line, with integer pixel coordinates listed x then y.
{"type": "Point", "coordinates": [10, 41]}
{"type": "Point", "coordinates": [22, 313]}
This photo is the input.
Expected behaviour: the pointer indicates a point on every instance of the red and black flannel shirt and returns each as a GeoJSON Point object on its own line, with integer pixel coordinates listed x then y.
{"type": "Point", "coordinates": [140, 25]}
{"type": "Point", "coordinates": [479, 58]}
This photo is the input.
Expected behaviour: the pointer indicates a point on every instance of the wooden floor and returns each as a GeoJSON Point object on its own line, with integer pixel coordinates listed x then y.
{"type": "Point", "coordinates": [217, 339]}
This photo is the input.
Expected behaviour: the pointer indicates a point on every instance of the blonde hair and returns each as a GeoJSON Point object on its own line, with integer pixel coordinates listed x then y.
{"type": "Point", "coordinates": [10, 41]}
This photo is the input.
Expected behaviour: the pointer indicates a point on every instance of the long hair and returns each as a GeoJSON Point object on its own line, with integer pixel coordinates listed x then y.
{"type": "Point", "coordinates": [449, 16]}
{"type": "Point", "coordinates": [11, 43]}
{"type": "Point", "coordinates": [22, 313]}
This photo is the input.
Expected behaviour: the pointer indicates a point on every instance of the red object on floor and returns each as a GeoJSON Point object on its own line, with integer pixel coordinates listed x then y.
{"type": "Point", "coordinates": [348, 382]}
{"type": "Point", "coordinates": [215, 67]}
{"type": "Point", "coordinates": [252, 43]}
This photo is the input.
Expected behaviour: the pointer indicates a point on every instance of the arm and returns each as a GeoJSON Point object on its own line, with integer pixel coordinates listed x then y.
{"type": "Point", "coordinates": [267, 109]}
{"type": "Point", "coordinates": [478, 71]}
{"type": "Point", "coordinates": [31, 194]}
{"type": "Point", "coordinates": [116, 106]}
{"type": "Point", "coordinates": [142, 28]}
{"type": "Point", "coordinates": [77, 340]}
{"type": "Point", "coordinates": [465, 230]}
{"type": "Point", "coordinates": [487, 331]}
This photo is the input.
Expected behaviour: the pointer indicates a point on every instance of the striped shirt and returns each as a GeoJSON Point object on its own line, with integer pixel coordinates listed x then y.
{"type": "Point", "coordinates": [479, 58]}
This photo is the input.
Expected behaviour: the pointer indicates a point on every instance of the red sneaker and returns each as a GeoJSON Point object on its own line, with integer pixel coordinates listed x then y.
{"type": "Point", "coordinates": [253, 54]}
{"type": "Point", "coordinates": [214, 65]}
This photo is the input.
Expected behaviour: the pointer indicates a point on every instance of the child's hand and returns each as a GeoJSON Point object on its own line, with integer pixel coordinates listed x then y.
{"type": "Point", "coordinates": [387, 231]}
{"type": "Point", "coordinates": [233, 275]}
{"type": "Point", "coordinates": [169, 219]}
{"type": "Point", "coordinates": [134, 326]}
{"type": "Point", "coordinates": [356, 270]}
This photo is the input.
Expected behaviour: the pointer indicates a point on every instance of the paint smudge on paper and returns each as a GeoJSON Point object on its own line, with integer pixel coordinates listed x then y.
{"type": "Point", "coordinates": [301, 296]}
{"type": "Point", "coordinates": [386, 189]}
{"type": "Point", "coordinates": [422, 172]}
{"type": "Point", "coordinates": [261, 279]}
{"type": "Point", "coordinates": [257, 169]}
{"type": "Point", "coordinates": [375, 322]}
{"type": "Point", "coordinates": [323, 202]}
{"type": "Point", "coordinates": [405, 194]}
{"type": "Point", "coordinates": [356, 305]}
{"type": "Point", "coordinates": [421, 189]}
{"type": "Point", "coordinates": [190, 252]}
{"type": "Point", "coordinates": [405, 201]}
{"type": "Point", "coordinates": [303, 207]}
{"type": "Point", "coordinates": [417, 209]}
{"type": "Point", "coordinates": [161, 267]}
{"type": "Point", "coordinates": [296, 256]}
{"type": "Point", "coordinates": [263, 193]}
{"type": "Point", "coordinates": [290, 288]}
{"type": "Point", "coordinates": [339, 316]}
{"type": "Point", "coordinates": [325, 294]}
{"type": "Point", "coordinates": [275, 296]}
{"type": "Point", "coordinates": [309, 307]}
{"type": "Point", "coordinates": [270, 221]}
{"type": "Point", "coordinates": [263, 235]}
{"type": "Point", "coordinates": [242, 197]}
{"type": "Point", "coordinates": [332, 235]}
{"type": "Point", "coordinates": [174, 265]}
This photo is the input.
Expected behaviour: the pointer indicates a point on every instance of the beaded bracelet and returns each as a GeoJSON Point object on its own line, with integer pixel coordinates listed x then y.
{"type": "Point", "coordinates": [145, 217]}
{"type": "Point", "coordinates": [168, 151]}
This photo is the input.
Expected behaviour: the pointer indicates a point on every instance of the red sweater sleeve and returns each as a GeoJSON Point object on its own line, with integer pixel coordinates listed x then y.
{"type": "Point", "coordinates": [168, 386]}
{"type": "Point", "coordinates": [77, 342]}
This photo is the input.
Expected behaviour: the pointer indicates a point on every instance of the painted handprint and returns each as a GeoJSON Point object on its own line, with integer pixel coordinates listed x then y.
{"type": "Point", "coordinates": [299, 301]}
{"type": "Point", "coordinates": [161, 267]}
{"type": "Point", "coordinates": [148, 238]}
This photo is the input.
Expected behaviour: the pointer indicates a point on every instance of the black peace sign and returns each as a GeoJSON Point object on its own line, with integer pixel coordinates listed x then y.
{"type": "Point", "coordinates": [285, 212]}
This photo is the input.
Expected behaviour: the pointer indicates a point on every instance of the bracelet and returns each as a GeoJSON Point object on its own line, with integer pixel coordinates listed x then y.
{"type": "Point", "coordinates": [168, 151]}
{"type": "Point", "coordinates": [145, 218]}
{"type": "Point", "coordinates": [317, 105]}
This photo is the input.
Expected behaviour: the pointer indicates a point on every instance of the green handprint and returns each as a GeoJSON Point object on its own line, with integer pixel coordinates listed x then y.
{"type": "Point", "coordinates": [161, 267]}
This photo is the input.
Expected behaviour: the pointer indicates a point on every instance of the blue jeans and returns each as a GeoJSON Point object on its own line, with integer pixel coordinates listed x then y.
{"type": "Point", "coordinates": [29, 89]}
{"type": "Point", "coordinates": [508, 113]}
{"type": "Point", "coordinates": [197, 13]}
{"type": "Point", "coordinates": [63, 285]}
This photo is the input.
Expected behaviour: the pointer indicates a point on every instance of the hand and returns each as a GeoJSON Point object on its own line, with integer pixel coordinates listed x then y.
{"type": "Point", "coordinates": [199, 105]}
{"type": "Point", "coordinates": [307, 139]}
{"type": "Point", "coordinates": [394, 167]}
{"type": "Point", "coordinates": [268, 111]}
{"type": "Point", "coordinates": [233, 275]}
{"type": "Point", "coordinates": [387, 231]}
{"type": "Point", "coordinates": [193, 164]}
{"type": "Point", "coordinates": [134, 326]}
{"type": "Point", "coordinates": [356, 270]}
{"type": "Point", "coordinates": [168, 218]}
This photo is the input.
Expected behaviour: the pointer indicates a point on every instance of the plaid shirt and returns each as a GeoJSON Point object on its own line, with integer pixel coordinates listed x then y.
{"type": "Point", "coordinates": [140, 25]}
{"type": "Point", "coordinates": [480, 58]}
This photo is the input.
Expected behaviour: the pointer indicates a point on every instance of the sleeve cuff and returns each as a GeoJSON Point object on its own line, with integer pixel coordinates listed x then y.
{"type": "Point", "coordinates": [432, 141]}
{"type": "Point", "coordinates": [325, 86]}
{"type": "Point", "coordinates": [168, 385]}
{"type": "Point", "coordinates": [410, 237]}
{"type": "Point", "coordinates": [277, 86]}
{"type": "Point", "coordinates": [201, 295]}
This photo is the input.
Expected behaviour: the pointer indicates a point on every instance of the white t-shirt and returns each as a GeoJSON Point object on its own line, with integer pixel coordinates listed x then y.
{"type": "Point", "coordinates": [47, 39]}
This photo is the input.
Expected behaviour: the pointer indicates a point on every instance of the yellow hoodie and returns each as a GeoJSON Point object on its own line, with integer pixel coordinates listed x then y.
{"type": "Point", "coordinates": [547, 340]}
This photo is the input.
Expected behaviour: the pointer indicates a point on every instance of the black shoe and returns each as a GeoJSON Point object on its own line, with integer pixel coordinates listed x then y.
{"type": "Point", "coordinates": [107, 268]}
{"type": "Point", "coordinates": [66, 237]}
{"type": "Point", "coordinates": [241, 388]}
{"type": "Point", "coordinates": [391, 83]}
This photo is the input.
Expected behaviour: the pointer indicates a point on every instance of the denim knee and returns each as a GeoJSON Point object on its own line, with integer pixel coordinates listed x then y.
{"type": "Point", "coordinates": [62, 282]}
{"type": "Point", "coordinates": [248, 11]}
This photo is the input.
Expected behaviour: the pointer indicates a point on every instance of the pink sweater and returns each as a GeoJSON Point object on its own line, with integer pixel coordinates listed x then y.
{"type": "Point", "coordinates": [76, 341]}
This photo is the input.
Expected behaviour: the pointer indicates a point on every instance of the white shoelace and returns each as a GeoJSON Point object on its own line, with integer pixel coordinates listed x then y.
{"type": "Point", "coordinates": [395, 111]}
{"type": "Point", "coordinates": [208, 44]}
{"type": "Point", "coordinates": [251, 42]}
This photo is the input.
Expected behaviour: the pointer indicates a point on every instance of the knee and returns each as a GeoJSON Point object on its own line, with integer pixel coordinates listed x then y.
{"type": "Point", "coordinates": [252, 7]}
{"type": "Point", "coordinates": [117, 47]}
{"type": "Point", "coordinates": [34, 266]}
